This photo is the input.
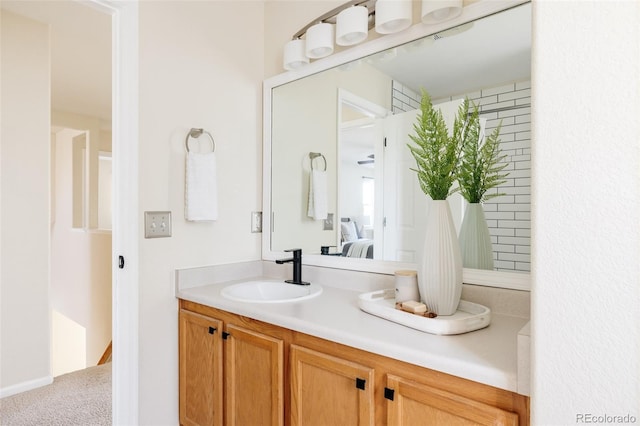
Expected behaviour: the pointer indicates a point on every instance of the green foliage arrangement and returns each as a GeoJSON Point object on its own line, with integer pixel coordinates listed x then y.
{"type": "Point", "coordinates": [481, 162]}
{"type": "Point", "coordinates": [436, 153]}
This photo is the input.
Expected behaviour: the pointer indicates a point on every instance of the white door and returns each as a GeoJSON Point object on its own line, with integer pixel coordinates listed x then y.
{"type": "Point", "coordinates": [405, 205]}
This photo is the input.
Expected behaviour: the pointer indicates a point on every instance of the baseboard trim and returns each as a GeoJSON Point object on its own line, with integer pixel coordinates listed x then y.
{"type": "Point", "coordinates": [25, 386]}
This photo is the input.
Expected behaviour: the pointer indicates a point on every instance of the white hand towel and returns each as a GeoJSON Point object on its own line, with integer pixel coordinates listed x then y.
{"type": "Point", "coordinates": [318, 209]}
{"type": "Point", "coordinates": [201, 192]}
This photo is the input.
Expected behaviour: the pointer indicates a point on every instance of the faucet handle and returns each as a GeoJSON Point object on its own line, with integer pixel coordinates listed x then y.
{"type": "Point", "coordinates": [297, 257]}
{"type": "Point", "coordinates": [297, 253]}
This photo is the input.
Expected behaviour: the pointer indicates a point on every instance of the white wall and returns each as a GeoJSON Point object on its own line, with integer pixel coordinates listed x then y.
{"type": "Point", "coordinates": [201, 65]}
{"type": "Point", "coordinates": [68, 344]}
{"type": "Point", "coordinates": [586, 216]}
{"type": "Point", "coordinates": [80, 259]}
{"type": "Point", "coordinates": [24, 171]}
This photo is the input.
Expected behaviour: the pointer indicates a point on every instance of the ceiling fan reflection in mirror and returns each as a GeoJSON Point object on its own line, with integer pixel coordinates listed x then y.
{"type": "Point", "coordinates": [368, 162]}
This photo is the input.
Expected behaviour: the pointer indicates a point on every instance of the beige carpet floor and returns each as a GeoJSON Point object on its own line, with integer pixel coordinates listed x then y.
{"type": "Point", "coordinates": [79, 398]}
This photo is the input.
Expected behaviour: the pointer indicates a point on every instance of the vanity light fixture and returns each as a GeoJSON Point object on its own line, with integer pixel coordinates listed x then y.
{"type": "Point", "coordinates": [294, 54]}
{"type": "Point", "coordinates": [352, 25]}
{"type": "Point", "coordinates": [319, 40]}
{"type": "Point", "coordinates": [352, 21]}
{"type": "Point", "coordinates": [393, 16]}
{"type": "Point", "coordinates": [435, 11]}
{"type": "Point", "coordinates": [313, 40]}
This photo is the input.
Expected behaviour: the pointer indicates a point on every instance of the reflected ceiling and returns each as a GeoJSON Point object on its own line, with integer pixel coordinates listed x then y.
{"type": "Point", "coordinates": [501, 53]}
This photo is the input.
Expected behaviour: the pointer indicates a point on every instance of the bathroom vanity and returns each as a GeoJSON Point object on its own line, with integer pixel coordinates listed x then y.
{"type": "Point", "coordinates": [324, 361]}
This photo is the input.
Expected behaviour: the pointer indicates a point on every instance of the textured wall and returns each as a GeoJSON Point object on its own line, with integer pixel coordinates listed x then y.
{"type": "Point", "coordinates": [586, 216]}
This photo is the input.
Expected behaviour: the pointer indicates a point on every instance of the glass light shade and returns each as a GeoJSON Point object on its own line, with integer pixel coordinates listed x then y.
{"type": "Point", "coordinates": [319, 40]}
{"type": "Point", "coordinates": [352, 26]}
{"type": "Point", "coordinates": [294, 55]}
{"type": "Point", "coordinates": [393, 16]}
{"type": "Point", "coordinates": [434, 11]}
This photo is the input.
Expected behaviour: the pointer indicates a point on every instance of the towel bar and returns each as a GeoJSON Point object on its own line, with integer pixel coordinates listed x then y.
{"type": "Point", "coordinates": [313, 155]}
{"type": "Point", "coordinates": [196, 133]}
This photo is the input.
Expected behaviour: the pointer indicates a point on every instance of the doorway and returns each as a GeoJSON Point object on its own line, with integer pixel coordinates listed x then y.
{"type": "Point", "coordinates": [360, 175]}
{"type": "Point", "coordinates": [79, 75]}
{"type": "Point", "coordinates": [80, 271]}
{"type": "Point", "coordinates": [123, 25]}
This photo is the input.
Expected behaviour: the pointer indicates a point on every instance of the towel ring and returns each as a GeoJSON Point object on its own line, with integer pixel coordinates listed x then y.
{"type": "Point", "coordinates": [196, 133]}
{"type": "Point", "coordinates": [314, 155]}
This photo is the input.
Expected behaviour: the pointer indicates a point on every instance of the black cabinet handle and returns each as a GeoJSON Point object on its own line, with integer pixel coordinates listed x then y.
{"type": "Point", "coordinates": [225, 335]}
{"type": "Point", "coordinates": [360, 383]}
{"type": "Point", "coordinates": [212, 330]}
{"type": "Point", "coordinates": [121, 262]}
{"type": "Point", "coordinates": [389, 393]}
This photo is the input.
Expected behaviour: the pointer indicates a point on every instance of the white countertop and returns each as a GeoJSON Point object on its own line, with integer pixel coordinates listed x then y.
{"type": "Point", "coordinates": [487, 356]}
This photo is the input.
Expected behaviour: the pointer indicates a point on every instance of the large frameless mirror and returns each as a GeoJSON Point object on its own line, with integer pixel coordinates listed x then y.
{"type": "Point", "coordinates": [344, 131]}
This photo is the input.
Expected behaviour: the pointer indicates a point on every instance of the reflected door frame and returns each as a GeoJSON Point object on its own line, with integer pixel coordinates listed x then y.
{"type": "Point", "coordinates": [377, 113]}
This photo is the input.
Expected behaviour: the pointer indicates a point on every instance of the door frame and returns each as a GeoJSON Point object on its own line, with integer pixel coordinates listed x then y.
{"type": "Point", "coordinates": [125, 206]}
{"type": "Point", "coordinates": [375, 112]}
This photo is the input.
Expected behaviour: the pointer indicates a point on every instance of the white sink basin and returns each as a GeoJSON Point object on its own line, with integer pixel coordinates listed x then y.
{"type": "Point", "coordinates": [270, 292]}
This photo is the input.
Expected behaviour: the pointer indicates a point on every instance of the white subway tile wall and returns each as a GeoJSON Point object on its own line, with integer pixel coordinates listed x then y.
{"type": "Point", "coordinates": [509, 215]}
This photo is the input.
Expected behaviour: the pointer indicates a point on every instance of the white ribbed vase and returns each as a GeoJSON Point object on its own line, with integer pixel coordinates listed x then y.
{"type": "Point", "coordinates": [440, 269]}
{"type": "Point", "coordinates": [475, 241]}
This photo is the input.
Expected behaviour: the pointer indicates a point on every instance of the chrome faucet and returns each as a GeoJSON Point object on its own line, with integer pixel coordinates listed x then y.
{"type": "Point", "coordinates": [297, 266]}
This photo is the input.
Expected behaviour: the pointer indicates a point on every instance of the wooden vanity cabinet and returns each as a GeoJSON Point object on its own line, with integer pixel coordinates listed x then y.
{"type": "Point", "coordinates": [229, 374]}
{"type": "Point", "coordinates": [411, 403]}
{"type": "Point", "coordinates": [201, 363]}
{"type": "Point", "coordinates": [275, 376]}
{"type": "Point", "coordinates": [406, 394]}
{"type": "Point", "coordinates": [254, 383]}
{"type": "Point", "coordinates": [327, 390]}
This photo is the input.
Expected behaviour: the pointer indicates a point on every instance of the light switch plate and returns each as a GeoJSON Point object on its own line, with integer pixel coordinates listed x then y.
{"type": "Point", "coordinates": [327, 224]}
{"type": "Point", "coordinates": [256, 222]}
{"type": "Point", "coordinates": [157, 224]}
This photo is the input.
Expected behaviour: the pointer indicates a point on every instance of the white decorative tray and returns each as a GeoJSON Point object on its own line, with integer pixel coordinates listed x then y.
{"type": "Point", "coordinates": [469, 316]}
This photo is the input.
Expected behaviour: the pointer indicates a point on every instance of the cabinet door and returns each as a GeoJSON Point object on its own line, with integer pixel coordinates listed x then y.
{"type": "Point", "coordinates": [254, 368]}
{"type": "Point", "coordinates": [200, 369]}
{"type": "Point", "coordinates": [411, 403]}
{"type": "Point", "coordinates": [326, 390]}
